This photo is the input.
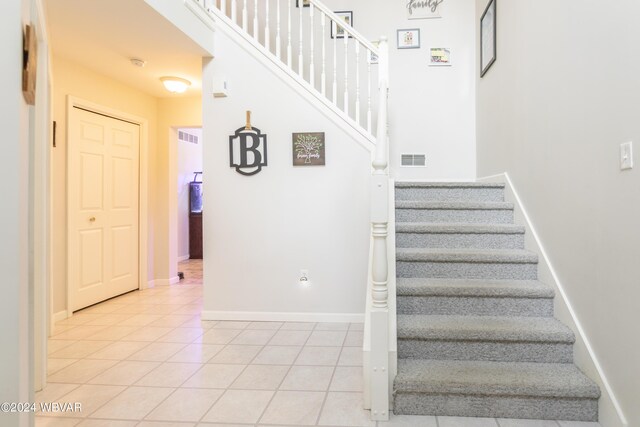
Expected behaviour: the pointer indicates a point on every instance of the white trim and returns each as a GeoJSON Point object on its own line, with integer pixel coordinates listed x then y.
{"type": "Point", "coordinates": [608, 403]}
{"type": "Point", "coordinates": [60, 316]}
{"type": "Point", "coordinates": [261, 316]}
{"type": "Point", "coordinates": [183, 258]}
{"type": "Point", "coordinates": [143, 254]}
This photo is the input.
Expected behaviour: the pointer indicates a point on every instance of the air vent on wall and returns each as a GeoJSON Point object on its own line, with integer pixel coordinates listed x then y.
{"type": "Point", "coordinates": [413, 160]}
{"type": "Point", "coordinates": [187, 137]}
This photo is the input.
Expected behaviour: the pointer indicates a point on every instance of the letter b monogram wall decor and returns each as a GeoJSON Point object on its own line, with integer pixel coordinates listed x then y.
{"type": "Point", "coordinates": [248, 149]}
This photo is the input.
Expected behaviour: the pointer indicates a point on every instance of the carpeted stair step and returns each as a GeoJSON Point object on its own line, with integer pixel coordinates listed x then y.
{"type": "Point", "coordinates": [466, 263]}
{"type": "Point", "coordinates": [475, 212]}
{"type": "Point", "coordinates": [474, 297]}
{"type": "Point", "coordinates": [495, 390]}
{"type": "Point", "coordinates": [455, 235]}
{"type": "Point", "coordinates": [446, 191]}
{"type": "Point", "coordinates": [489, 338]}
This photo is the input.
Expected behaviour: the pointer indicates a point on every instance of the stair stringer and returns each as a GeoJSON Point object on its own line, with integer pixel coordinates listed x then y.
{"type": "Point", "coordinates": [610, 412]}
{"type": "Point", "coordinates": [222, 24]}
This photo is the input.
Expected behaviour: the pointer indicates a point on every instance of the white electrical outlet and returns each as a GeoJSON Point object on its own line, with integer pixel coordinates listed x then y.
{"type": "Point", "coordinates": [626, 156]}
{"type": "Point", "coordinates": [304, 280]}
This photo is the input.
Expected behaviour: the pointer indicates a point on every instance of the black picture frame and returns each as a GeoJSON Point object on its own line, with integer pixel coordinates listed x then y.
{"type": "Point", "coordinates": [305, 3]}
{"type": "Point", "coordinates": [334, 30]}
{"type": "Point", "coordinates": [488, 28]}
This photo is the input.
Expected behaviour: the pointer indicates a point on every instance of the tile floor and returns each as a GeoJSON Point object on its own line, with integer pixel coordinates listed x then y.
{"type": "Point", "coordinates": [146, 359]}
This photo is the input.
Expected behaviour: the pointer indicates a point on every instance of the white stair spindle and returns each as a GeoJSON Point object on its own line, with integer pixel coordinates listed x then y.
{"type": "Point", "coordinates": [323, 76]}
{"type": "Point", "coordinates": [289, 50]}
{"type": "Point", "coordinates": [357, 82]}
{"type": "Point", "coordinates": [244, 15]}
{"type": "Point", "coordinates": [255, 20]}
{"type": "Point", "coordinates": [234, 11]}
{"type": "Point", "coordinates": [335, 65]}
{"type": "Point", "coordinates": [369, 90]}
{"type": "Point", "coordinates": [346, 71]}
{"type": "Point", "coordinates": [300, 57]}
{"type": "Point", "coordinates": [223, 7]}
{"type": "Point", "coordinates": [267, 34]}
{"type": "Point", "coordinates": [312, 74]}
{"type": "Point", "coordinates": [278, 39]}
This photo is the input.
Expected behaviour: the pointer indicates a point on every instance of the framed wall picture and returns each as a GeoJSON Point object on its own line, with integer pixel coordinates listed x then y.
{"type": "Point", "coordinates": [347, 16]}
{"type": "Point", "coordinates": [305, 3]}
{"type": "Point", "coordinates": [409, 39]}
{"type": "Point", "coordinates": [488, 40]}
{"type": "Point", "coordinates": [440, 57]}
{"type": "Point", "coordinates": [308, 149]}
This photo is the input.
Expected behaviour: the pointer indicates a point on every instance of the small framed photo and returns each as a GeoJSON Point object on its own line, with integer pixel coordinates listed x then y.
{"type": "Point", "coordinates": [488, 34]}
{"type": "Point", "coordinates": [338, 33]}
{"type": "Point", "coordinates": [372, 58]}
{"type": "Point", "coordinates": [409, 39]}
{"type": "Point", "coordinates": [440, 57]}
{"type": "Point", "coordinates": [305, 3]}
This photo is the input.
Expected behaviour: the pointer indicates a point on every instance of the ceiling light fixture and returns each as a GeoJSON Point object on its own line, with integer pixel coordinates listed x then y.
{"type": "Point", "coordinates": [175, 84]}
{"type": "Point", "coordinates": [138, 62]}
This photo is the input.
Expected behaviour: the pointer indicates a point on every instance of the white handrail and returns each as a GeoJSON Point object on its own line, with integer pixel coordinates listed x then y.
{"type": "Point", "coordinates": [348, 28]}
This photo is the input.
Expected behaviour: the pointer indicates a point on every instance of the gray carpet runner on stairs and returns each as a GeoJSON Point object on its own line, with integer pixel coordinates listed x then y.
{"type": "Point", "coordinates": [476, 332]}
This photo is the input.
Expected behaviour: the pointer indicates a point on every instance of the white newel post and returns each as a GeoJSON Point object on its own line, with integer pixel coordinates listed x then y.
{"type": "Point", "coordinates": [379, 366]}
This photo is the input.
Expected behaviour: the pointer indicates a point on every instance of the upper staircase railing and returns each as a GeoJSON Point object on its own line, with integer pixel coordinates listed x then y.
{"type": "Point", "coordinates": [340, 67]}
{"type": "Point", "coordinates": [316, 46]}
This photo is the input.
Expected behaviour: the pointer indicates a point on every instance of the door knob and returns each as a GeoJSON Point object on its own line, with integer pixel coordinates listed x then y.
{"type": "Point", "coordinates": [92, 219]}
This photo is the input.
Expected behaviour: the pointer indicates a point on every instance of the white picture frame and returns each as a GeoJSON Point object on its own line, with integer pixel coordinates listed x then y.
{"type": "Point", "coordinates": [336, 30]}
{"type": "Point", "coordinates": [439, 57]}
{"type": "Point", "coordinates": [421, 9]}
{"type": "Point", "coordinates": [372, 58]}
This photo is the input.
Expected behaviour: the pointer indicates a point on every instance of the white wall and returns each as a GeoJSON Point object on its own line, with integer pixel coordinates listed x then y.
{"type": "Point", "coordinates": [261, 230]}
{"type": "Point", "coordinates": [431, 109]}
{"type": "Point", "coordinates": [16, 312]}
{"type": "Point", "coordinates": [561, 97]}
{"type": "Point", "coordinates": [189, 161]}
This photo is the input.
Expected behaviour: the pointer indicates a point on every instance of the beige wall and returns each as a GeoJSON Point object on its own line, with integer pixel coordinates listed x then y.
{"type": "Point", "coordinates": [552, 112]}
{"type": "Point", "coordinates": [72, 79]}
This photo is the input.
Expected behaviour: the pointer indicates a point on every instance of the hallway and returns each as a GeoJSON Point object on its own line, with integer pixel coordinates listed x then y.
{"type": "Point", "coordinates": [146, 359]}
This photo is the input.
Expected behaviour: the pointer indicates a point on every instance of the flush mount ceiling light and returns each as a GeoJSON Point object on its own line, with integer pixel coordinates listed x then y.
{"type": "Point", "coordinates": [138, 62]}
{"type": "Point", "coordinates": [175, 84]}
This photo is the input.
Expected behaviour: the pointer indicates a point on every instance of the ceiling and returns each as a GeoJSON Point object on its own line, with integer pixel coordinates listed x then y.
{"type": "Point", "coordinates": [103, 35]}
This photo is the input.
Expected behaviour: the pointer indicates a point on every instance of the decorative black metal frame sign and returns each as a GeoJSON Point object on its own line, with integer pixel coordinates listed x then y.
{"type": "Point", "coordinates": [248, 149]}
{"type": "Point", "coordinates": [308, 149]}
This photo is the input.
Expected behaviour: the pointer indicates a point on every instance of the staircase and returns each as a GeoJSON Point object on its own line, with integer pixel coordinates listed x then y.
{"type": "Point", "coordinates": [476, 332]}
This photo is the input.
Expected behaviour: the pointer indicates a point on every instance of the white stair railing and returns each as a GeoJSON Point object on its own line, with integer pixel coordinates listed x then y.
{"type": "Point", "coordinates": [297, 38]}
{"type": "Point", "coordinates": [304, 30]}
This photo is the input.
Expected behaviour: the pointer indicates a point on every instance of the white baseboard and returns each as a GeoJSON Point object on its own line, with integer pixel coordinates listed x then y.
{"type": "Point", "coordinates": [60, 316]}
{"type": "Point", "coordinates": [183, 258]}
{"type": "Point", "coordinates": [163, 282]}
{"type": "Point", "coordinates": [261, 316]}
{"type": "Point", "coordinates": [609, 409]}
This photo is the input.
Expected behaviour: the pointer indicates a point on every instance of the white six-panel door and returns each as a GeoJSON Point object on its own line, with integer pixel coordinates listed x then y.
{"type": "Point", "coordinates": [103, 207]}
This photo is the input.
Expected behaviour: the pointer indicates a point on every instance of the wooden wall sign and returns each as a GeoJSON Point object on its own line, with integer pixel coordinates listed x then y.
{"type": "Point", "coordinates": [29, 64]}
{"type": "Point", "coordinates": [308, 149]}
{"type": "Point", "coordinates": [248, 149]}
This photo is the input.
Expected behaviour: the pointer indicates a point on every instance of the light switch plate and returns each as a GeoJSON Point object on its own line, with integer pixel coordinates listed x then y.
{"type": "Point", "coordinates": [626, 156]}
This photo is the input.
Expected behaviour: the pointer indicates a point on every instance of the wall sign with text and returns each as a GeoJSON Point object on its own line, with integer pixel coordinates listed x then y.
{"type": "Point", "coordinates": [423, 9]}
{"type": "Point", "coordinates": [308, 149]}
{"type": "Point", "coordinates": [248, 149]}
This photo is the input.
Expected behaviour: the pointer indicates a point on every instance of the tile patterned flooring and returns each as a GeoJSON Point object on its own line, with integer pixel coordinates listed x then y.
{"type": "Point", "coordinates": [145, 359]}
